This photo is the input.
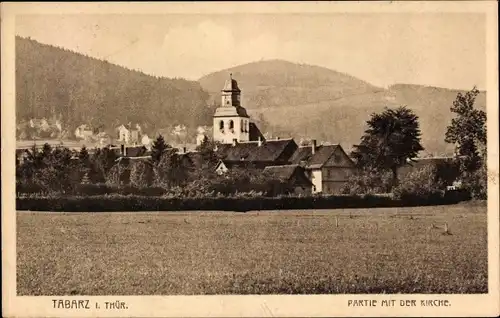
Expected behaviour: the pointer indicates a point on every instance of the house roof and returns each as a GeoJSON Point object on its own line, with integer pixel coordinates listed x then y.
{"type": "Point", "coordinates": [284, 172]}
{"type": "Point", "coordinates": [303, 153]}
{"type": "Point", "coordinates": [268, 151]}
{"type": "Point", "coordinates": [321, 156]}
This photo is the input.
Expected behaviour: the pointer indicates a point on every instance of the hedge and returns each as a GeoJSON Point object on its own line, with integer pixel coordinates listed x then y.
{"type": "Point", "coordinates": [110, 203]}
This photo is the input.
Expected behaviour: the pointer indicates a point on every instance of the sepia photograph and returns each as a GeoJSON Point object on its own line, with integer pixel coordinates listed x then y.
{"type": "Point", "coordinates": [183, 152]}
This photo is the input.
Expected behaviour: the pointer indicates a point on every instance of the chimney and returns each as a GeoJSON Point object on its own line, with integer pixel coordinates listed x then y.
{"type": "Point", "coordinates": [313, 146]}
{"type": "Point", "coordinates": [235, 141]}
{"type": "Point", "coordinates": [259, 142]}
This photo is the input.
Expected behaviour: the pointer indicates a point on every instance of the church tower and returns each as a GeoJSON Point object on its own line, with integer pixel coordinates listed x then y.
{"type": "Point", "coordinates": [231, 121]}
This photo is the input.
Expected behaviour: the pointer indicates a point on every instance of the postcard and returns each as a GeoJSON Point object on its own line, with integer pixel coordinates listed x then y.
{"type": "Point", "coordinates": [250, 159]}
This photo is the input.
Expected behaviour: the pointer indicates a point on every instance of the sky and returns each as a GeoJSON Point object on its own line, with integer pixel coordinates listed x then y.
{"type": "Point", "coordinates": [436, 49]}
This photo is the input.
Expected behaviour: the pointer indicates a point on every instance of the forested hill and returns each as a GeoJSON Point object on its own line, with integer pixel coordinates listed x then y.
{"type": "Point", "coordinates": [53, 82]}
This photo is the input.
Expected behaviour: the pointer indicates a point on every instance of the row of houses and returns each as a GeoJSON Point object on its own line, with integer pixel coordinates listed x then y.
{"type": "Point", "coordinates": [127, 134]}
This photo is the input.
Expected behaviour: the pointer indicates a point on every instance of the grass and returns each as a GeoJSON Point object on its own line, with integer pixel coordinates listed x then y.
{"type": "Point", "coordinates": [393, 250]}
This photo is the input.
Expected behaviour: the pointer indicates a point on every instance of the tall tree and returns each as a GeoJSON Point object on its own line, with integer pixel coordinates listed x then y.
{"type": "Point", "coordinates": [169, 170]}
{"type": "Point", "coordinates": [392, 138]}
{"type": "Point", "coordinates": [467, 130]}
{"type": "Point", "coordinates": [158, 148]}
{"type": "Point", "coordinates": [209, 156]}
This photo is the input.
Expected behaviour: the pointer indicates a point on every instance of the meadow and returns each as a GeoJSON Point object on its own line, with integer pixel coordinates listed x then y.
{"type": "Point", "coordinates": [383, 250]}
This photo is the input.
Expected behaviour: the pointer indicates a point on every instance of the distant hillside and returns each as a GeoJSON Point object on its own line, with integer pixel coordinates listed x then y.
{"type": "Point", "coordinates": [314, 102]}
{"type": "Point", "coordinates": [279, 83]}
{"type": "Point", "coordinates": [54, 82]}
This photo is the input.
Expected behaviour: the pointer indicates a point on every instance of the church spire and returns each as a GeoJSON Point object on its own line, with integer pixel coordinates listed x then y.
{"type": "Point", "coordinates": [231, 92]}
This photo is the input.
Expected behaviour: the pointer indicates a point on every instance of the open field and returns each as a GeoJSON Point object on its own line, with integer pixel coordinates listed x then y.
{"type": "Point", "coordinates": [393, 250]}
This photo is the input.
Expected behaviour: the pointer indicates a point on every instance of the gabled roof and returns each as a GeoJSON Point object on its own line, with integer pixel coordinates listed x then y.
{"type": "Point", "coordinates": [284, 172]}
{"type": "Point", "coordinates": [321, 156]}
{"type": "Point", "coordinates": [317, 160]}
{"type": "Point", "coordinates": [268, 151]}
{"type": "Point", "coordinates": [303, 153]}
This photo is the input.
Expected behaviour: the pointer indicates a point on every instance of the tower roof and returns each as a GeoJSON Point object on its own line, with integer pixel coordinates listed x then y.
{"type": "Point", "coordinates": [231, 84]}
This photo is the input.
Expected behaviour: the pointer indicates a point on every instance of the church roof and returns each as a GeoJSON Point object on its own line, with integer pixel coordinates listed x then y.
{"type": "Point", "coordinates": [231, 85]}
{"type": "Point", "coordinates": [254, 133]}
{"type": "Point", "coordinates": [231, 111]}
{"type": "Point", "coordinates": [268, 151]}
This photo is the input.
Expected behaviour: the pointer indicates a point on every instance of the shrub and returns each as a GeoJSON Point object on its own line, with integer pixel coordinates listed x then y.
{"type": "Point", "coordinates": [141, 174]}
{"type": "Point", "coordinates": [476, 183]}
{"type": "Point", "coordinates": [419, 184]}
{"type": "Point", "coordinates": [368, 182]}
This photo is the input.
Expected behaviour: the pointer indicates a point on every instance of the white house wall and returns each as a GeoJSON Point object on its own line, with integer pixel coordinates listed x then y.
{"type": "Point", "coordinates": [316, 179]}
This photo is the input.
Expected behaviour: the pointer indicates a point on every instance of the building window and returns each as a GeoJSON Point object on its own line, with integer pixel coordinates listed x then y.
{"type": "Point", "coordinates": [231, 125]}
{"type": "Point", "coordinates": [242, 125]}
{"type": "Point", "coordinates": [221, 125]}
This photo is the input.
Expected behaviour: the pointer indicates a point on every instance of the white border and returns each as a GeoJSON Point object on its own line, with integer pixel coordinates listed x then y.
{"type": "Point", "coordinates": [245, 306]}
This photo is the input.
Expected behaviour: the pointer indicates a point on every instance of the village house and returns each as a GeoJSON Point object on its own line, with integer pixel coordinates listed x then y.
{"type": "Point", "coordinates": [84, 131]}
{"type": "Point", "coordinates": [293, 177]}
{"type": "Point", "coordinates": [327, 166]}
{"type": "Point", "coordinates": [40, 124]}
{"type": "Point", "coordinates": [129, 134]}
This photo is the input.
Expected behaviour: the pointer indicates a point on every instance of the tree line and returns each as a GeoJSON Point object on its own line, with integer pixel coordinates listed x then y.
{"type": "Point", "coordinates": [60, 171]}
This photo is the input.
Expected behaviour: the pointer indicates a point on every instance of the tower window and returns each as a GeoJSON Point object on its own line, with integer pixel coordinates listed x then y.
{"type": "Point", "coordinates": [221, 125]}
{"type": "Point", "coordinates": [242, 125]}
{"type": "Point", "coordinates": [231, 125]}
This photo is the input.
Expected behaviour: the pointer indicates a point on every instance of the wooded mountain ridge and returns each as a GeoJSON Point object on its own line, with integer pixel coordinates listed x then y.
{"type": "Point", "coordinates": [52, 82]}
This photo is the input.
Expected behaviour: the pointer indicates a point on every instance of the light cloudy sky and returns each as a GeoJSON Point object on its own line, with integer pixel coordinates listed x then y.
{"type": "Point", "coordinates": [446, 50]}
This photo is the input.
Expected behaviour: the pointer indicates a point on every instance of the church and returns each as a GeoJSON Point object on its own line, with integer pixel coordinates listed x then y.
{"type": "Point", "coordinates": [309, 169]}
